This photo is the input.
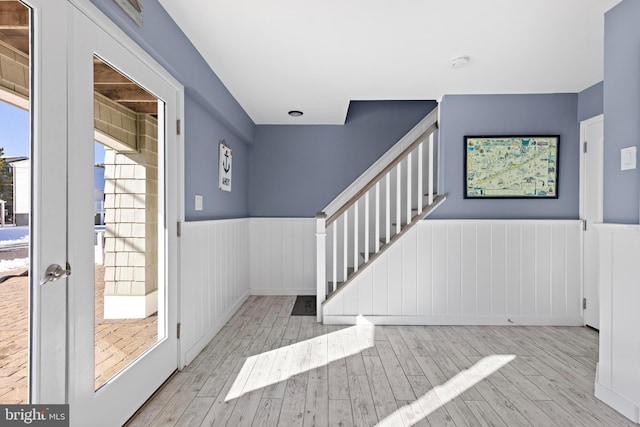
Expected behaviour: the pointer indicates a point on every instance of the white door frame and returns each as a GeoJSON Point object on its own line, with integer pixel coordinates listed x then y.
{"type": "Point", "coordinates": [48, 303]}
{"type": "Point", "coordinates": [596, 148]}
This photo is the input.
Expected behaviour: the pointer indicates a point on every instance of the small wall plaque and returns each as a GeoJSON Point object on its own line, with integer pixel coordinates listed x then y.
{"type": "Point", "coordinates": [224, 169]}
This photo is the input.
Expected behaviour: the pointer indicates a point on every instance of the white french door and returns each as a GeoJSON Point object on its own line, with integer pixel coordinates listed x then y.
{"type": "Point", "coordinates": [139, 271]}
{"type": "Point", "coordinates": [103, 338]}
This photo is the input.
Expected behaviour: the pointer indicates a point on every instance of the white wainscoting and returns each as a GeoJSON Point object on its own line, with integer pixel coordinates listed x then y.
{"type": "Point", "coordinates": [471, 272]}
{"type": "Point", "coordinates": [283, 256]}
{"type": "Point", "coordinates": [618, 373]}
{"type": "Point", "coordinates": [214, 279]}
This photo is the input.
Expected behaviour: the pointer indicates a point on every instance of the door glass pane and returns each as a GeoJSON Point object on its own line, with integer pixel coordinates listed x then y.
{"type": "Point", "coordinates": [128, 275]}
{"type": "Point", "coordinates": [15, 201]}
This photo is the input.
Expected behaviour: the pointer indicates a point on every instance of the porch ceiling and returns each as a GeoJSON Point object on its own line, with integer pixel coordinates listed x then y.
{"type": "Point", "coordinates": [14, 31]}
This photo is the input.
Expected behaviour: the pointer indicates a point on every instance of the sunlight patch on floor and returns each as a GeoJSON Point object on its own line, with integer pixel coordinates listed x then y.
{"type": "Point", "coordinates": [278, 365]}
{"type": "Point", "coordinates": [442, 394]}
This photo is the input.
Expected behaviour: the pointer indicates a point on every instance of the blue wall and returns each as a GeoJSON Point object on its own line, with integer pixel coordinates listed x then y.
{"type": "Point", "coordinates": [591, 102]}
{"type": "Point", "coordinates": [201, 168]}
{"type": "Point", "coordinates": [295, 171]}
{"type": "Point", "coordinates": [621, 110]}
{"type": "Point", "coordinates": [211, 112]}
{"type": "Point", "coordinates": [553, 114]}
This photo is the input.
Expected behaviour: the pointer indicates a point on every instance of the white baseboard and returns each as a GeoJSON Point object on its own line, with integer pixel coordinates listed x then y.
{"type": "Point", "coordinates": [283, 292]}
{"type": "Point", "coordinates": [617, 402]}
{"type": "Point", "coordinates": [130, 306]}
{"type": "Point", "coordinates": [450, 320]}
{"type": "Point", "coordinates": [195, 349]}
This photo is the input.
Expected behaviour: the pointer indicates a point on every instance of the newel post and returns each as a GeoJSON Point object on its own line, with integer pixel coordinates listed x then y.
{"type": "Point", "coordinates": [321, 262]}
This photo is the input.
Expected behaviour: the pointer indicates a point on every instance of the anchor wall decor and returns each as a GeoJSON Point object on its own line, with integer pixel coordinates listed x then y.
{"type": "Point", "coordinates": [224, 169]}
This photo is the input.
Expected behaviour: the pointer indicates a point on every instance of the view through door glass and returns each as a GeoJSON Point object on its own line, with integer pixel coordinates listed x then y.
{"type": "Point", "coordinates": [127, 272]}
{"type": "Point", "coordinates": [15, 201]}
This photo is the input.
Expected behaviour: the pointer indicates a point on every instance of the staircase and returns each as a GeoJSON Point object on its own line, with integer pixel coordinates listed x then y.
{"type": "Point", "coordinates": [394, 194]}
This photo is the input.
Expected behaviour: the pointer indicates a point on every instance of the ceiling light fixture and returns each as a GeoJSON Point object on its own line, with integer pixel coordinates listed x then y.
{"type": "Point", "coordinates": [460, 61]}
{"type": "Point", "coordinates": [295, 113]}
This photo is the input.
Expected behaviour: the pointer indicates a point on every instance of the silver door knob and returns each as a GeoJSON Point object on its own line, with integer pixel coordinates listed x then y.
{"type": "Point", "coordinates": [55, 272]}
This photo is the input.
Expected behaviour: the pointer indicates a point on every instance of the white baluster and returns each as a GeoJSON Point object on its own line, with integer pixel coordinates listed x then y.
{"type": "Point", "coordinates": [376, 243]}
{"type": "Point", "coordinates": [388, 208]}
{"type": "Point", "coordinates": [431, 171]}
{"type": "Point", "coordinates": [366, 227]}
{"type": "Point", "coordinates": [346, 246]}
{"type": "Point", "coordinates": [399, 198]}
{"type": "Point", "coordinates": [356, 235]}
{"type": "Point", "coordinates": [420, 194]}
{"type": "Point", "coordinates": [335, 256]}
{"type": "Point", "coordinates": [409, 188]}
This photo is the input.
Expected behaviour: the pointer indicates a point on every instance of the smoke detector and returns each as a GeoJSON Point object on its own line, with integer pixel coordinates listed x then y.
{"type": "Point", "coordinates": [460, 61]}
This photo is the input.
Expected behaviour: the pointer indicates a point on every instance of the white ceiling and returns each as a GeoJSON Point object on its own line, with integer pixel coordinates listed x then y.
{"type": "Point", "coordinates": [316, 56]}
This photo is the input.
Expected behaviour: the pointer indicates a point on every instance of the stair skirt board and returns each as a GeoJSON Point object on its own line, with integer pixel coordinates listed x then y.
{"type": "Point", "coordinates": [451, 321]}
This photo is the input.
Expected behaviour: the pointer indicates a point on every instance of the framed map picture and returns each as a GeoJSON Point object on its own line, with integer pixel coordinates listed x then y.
{"type": "Point", "coordinates": [511, 167]}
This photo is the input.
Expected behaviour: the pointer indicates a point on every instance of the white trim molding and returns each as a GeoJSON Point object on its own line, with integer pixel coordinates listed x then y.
{"type": "Point", "coordinates": [618, 375]}
{"type": "Point", "coordinates": [451, 321]}
{"type": "Point", "coordinates": [480, 272]}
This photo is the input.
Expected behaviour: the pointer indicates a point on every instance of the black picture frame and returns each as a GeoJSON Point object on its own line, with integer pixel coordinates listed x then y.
{"type": "Point", "coordinates": [511, 166]}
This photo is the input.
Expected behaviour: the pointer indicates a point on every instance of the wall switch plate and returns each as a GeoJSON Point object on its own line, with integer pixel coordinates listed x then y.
{"type": "Point", "coordinates": [198, 202]}
{"type": "Point", "coordinates": [628, 158]}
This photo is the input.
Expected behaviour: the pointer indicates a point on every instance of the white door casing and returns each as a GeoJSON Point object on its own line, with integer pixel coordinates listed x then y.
{"type": "Point", "coordinates": [48, 240]}
{"type": "Point", "coordinates": [591, 212]}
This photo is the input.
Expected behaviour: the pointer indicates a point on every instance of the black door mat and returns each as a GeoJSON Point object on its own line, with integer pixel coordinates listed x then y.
{"type": "Point", "coordinates": [305, 306]}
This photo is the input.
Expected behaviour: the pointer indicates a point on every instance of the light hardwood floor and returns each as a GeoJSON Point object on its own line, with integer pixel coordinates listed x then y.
{"type": "Point", "coordinates": [267, 368]}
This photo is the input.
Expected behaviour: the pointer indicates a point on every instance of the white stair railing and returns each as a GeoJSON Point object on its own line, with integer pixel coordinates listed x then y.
{"type": "Point", "coordinates": [376, 215]}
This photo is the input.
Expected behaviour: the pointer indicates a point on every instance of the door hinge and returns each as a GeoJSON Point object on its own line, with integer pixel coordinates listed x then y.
{"type": "Point", "coordinates": [179, 229]}
{"type": "Point", "coordinates": [178, 126]}
{"type": "Point", "coordinates": [178, 330]}
{"type": "Point", "coordinates": [584, 225]}
{"type": "Point", "coordinates": [584, 303]}
{"type": "Point", "coordinates": [584, 147]}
